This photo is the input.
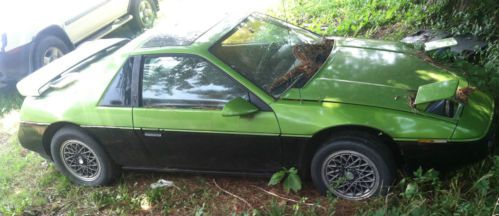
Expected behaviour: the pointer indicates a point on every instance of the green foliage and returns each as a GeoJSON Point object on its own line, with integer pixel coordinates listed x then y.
{"type": "Point", "coordinates": [469, 191]}
{"type": "Point", "coordinates": [356, 18]}
{"type": "Point", "coordinates": [9, 100]}
{"type": "Point", "coordinates": [276, 209]}
{"type": "Point", "coordinates": [291, 178]}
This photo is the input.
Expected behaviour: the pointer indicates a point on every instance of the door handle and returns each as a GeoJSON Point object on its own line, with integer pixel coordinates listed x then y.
{"type": "Point", "coordinates": [152, 134]}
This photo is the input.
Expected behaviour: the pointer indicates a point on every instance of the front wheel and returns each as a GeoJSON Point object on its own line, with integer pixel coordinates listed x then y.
{"type": "Point", "coordinates": [353, 167]}
{"type": "Point", "coordinates": [81, 159]}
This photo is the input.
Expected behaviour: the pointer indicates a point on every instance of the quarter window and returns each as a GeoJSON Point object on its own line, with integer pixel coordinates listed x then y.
{"type": "Point", "coordinates": [118, 93]}
{"type": "Point", "coordinates": [186, 82]}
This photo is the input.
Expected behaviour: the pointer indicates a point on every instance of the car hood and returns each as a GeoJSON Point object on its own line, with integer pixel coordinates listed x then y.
{"type": "Point", "coordinates": [373, 73]}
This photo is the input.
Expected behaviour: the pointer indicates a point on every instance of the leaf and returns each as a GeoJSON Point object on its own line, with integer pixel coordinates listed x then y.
{"type": "Point", "coordinates": [411, 190]}
{"type": "Point", "coordinates": [293, 170]}
{"type": "Point", "coordinates": [292, 182]}
{"type": "Point", "coordinates": [277, 177]}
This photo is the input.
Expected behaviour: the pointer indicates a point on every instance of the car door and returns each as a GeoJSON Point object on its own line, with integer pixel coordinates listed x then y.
{"type": "Point", "coordinates": [180, 119]}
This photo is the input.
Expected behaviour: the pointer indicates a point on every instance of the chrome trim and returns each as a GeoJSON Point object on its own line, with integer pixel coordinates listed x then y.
{"type": "Point", "coordinates": [107, 127]}
{"type": "Point", "coordinates": [34, 123]}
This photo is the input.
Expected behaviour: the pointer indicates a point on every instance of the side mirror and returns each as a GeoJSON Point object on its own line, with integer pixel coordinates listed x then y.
{"type": "Point", "coordinates": [238, 107]}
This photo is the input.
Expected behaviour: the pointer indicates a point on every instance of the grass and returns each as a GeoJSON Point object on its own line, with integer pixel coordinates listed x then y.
{"type": "Point", "coordinates": [28, 184]}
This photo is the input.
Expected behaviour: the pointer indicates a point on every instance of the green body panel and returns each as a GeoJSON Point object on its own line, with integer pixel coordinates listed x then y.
{"type": "Point", "coordinates": [476, 117]}
{"type": "Point", "coordinates": [239, 107]}
{"type": "Point", "coordinates": [371, 77]}
{"type": "Point", "coordinates": [261, 123]}
{"type": "Point", "coordinates": [307, 118]}
{"type": "Point", "coordinates": [78, 102]}
{"type": "Point", "coordinates": [363, 83]}
{"type": "Point", "coordinates": [436, 91]}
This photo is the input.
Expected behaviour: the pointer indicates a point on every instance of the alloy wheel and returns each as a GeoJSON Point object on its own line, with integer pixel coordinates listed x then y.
{"type": "Point", "coordinates": [350, 175]}
{"type": "Point", "coordinates": [52, 54]}
{"type": "Point", "coordinates": [80, 160]}
{"type": "Point", "coordinates": [146, 13]}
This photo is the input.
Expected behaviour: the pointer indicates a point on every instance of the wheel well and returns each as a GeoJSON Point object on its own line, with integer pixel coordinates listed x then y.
{"type": "Point", "coordinates": [50, 132]}
{"type": "Point", "coordinates": [55, 31]}
{"type": "Point", "coordinates": [318, 139]}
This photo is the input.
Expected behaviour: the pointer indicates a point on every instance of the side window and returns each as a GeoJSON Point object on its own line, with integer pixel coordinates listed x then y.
{"type": "Point", "coordinates": [186, 82]}
{"type": "Point", "coordinates": [118, 93]}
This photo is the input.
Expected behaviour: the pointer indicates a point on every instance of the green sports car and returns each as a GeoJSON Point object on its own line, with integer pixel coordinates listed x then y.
{"type": "Point", "coordinates": [249, 96]}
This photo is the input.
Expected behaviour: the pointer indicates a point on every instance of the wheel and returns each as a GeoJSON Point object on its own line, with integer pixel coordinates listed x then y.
{"type": "Point", "coordinates": [81, 159]}
{"type": "Point", "coordinates": [353, 166]}
{"type": "Point", "coordinates": [144, 13]}
{"type": "Point", "coordinates": [48, 49]}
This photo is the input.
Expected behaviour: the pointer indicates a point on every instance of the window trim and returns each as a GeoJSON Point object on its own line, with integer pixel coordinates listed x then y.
{"type": "Point", "coordinates": [136, 81]}
{"type": "Point", "coordinates": [115, 76]}
{"type": "Point", "coordinates": [138, 71]}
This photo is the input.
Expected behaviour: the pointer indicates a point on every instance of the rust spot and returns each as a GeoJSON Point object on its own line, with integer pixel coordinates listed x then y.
{"type": "Point", "coordinates": [411, 98]}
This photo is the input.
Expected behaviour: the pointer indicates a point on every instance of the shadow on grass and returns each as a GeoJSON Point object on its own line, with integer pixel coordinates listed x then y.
{"type": "Point", "coordinates": [10, 99]}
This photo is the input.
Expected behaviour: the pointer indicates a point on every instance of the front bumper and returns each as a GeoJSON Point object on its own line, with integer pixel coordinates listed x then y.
{"type": "Point", "coordinates": [15, 64]}
{"type": "Point", "coordinates": [31, 137]}
{"type": "Point", "coordinates": [447, 155]}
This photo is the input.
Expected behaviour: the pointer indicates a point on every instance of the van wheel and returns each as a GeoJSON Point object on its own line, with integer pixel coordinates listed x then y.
{"type": "Point", "coordinates": [47, 50]}
{"type": "Point", "coordinates": [144, 14]}
{"type": "Point", "coordinates": [81, 159]}
{"type": "Point", "coordinates": [353, 166]}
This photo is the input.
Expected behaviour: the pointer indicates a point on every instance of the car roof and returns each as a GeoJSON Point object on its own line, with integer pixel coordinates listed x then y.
{"type": "Point", "coordinates": [180, 36]}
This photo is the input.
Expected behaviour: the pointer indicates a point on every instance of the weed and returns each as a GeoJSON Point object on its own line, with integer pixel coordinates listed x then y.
{"type": "Point", "coordinates": [291, 178]}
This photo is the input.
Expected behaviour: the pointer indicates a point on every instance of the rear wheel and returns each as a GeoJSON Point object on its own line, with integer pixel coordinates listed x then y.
{"type": "Point", "coordinates": [144, 14]}
{"type": "Point", "coordinates": [47, 50]}
{"type": "Point", "coordinates": [353, 166]}
{"type": "Point", "coordinates": [81, 159]}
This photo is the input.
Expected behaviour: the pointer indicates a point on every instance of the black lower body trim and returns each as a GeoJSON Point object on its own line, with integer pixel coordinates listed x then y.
{"type": "Point", "coordinates": [203, 172]}
{"type": "Point", "coordinates": [31, 137]}
{"type": "Point", "coordinates": [446, 155]}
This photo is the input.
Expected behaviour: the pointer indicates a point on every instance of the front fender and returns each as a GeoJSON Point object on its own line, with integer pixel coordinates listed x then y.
{"type": "Point", "coordinates": [305, 118]}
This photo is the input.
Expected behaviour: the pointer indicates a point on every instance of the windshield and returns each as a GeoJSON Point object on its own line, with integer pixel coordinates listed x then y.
{"type": "Point", "coordinates": [273, 54]}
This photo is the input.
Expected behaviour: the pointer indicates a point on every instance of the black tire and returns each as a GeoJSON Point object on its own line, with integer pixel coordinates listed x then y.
{"type": "Point", "coordinates": [71, 135]}
{"type": "Point", "coordinates": [140, 20]}
{"type": "Point", "coordinates": [354, 146]}
{"type": "Point", "coordinates": [43, 46]}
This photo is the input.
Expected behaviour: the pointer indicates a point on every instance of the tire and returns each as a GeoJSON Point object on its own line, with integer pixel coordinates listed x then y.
{"type": "Point", "coordinates": [144, 14]}
{"type": "Point", "coordinates": [359, 166]}
{"type": "Point", "coordinates": [47, 49]}
{"type": "Point", "coordinates": [101, 170]}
